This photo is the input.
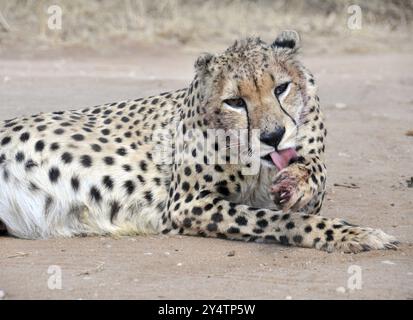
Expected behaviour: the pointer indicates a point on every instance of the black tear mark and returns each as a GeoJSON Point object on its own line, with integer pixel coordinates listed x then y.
{"type": "Point", "coordinates": [295, 123]}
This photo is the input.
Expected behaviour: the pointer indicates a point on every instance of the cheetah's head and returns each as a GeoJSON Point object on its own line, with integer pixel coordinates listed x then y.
{"type": "Point", "coordinates": [255, 85]}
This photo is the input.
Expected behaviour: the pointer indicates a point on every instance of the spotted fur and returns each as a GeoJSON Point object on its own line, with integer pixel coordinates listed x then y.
{"type": "Point", "coordinates": [93, 171]}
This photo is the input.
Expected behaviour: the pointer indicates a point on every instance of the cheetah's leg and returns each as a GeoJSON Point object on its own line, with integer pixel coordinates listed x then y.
{"type": "Point", "coordinates": [301, 185]}
{"type": "Point", "coordinates": [219, 218]}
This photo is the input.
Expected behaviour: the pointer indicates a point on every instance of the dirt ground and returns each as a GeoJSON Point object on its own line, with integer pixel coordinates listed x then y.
{"type": "Point", "coordinates": [368, 102]}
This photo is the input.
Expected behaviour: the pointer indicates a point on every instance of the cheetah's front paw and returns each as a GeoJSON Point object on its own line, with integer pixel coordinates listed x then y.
{"type": "Point", "coordinates": [357, 239]}
{"type": "Point", "coordinates": [290, 189]}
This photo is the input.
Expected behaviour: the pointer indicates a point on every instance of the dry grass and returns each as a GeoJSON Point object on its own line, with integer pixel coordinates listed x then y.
{"type": "Point", "coordinates": [194, 23]}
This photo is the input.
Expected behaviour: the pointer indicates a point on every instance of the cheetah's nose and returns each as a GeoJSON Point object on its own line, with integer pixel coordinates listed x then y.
{"type": "Point", "coordinates": [273, 138]}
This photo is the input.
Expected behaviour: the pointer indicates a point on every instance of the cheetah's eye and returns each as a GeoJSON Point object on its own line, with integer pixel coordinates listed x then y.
{"type": "Point", "coordinates": [237, 103]}
{"type": "Point", "coordinates": [279, 90]}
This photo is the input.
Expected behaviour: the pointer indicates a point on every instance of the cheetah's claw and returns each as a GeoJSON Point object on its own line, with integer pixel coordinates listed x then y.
{"type": "Point", "coordinates": [290, 189]}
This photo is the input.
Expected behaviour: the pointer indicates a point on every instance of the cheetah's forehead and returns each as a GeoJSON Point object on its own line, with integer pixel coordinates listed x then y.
{"type": "Point", "coordinates": [252, 57]}
{"type": "Point", "coordinates": [245, 57]}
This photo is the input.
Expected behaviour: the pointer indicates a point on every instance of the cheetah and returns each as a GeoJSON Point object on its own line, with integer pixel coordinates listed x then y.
{"type": "Point", "coordinates": [153, 165]}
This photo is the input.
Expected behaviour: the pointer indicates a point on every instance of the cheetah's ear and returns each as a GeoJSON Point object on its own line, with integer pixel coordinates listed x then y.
{"type": "Point", "coordinates": [202, 64]}
{"type": "Point", "coordinates": [288, 39]}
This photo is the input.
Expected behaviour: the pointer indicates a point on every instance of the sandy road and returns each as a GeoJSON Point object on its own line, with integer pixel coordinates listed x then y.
{"type": "Point", "coordinates": [369, 106]}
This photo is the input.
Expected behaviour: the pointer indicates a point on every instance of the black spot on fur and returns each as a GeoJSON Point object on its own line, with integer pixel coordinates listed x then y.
{"type": "Point", "coordinates": [108, 182]}
{"type": "Point", "coordinates": [114, 209]}
{"type": "Point", "coordinates": [95, 147]}
{"type": "Point", "coordinates": [148, 196]}
{"type": "Point", "coordinates": [218, 168]}
{"type": "Point", "coordinates": [129, 186]}
{"type": "Point", "coordinates": [95, 194]}
{"type": "Point", "coordinates": [109, 160]}
{"type": "Point", "coordinates": [54, 174]}
{"type": "Point", "coordinates": [86, 161]}
{"type": "Point", "coordinates": [75, 183]}
{"type": "Point", "coordinates": [298, 239]}
{"type": "Point", "coordinates": [39, 146]}
{"type": "Point", "coordinates": [223, 190]}
{"type": "Point", "coordinates": [284, 240]}
{"type": "Point", "coordinates": [290, 225]}
{"type": "Point", "coordinates": [197, 211]}
{"type": "Point", "coordinates": [321, 225]}
{"type": "Point", "coordinates": [20, 156]}
{"type": "Point", "coordinates": [262, 223]}
{"type": "Point", "coordinates": [185, 186]}
{"type": "Point", "coordinates": [78, 137]}
{"type": "Point", "coordinates": [242, 221]}
{"type": "Point", "coordinates": [121, 151]}
{"type": "Point", "coordinates": [30, 164]}
{"type": "Point", "coordinates": [217, 217]}
{"type": "Point", "coordinates": [67, 158]}
{"type": "Point", "coordinates": [187, 223]}
{"type": "Point", "coordinates": [143, 165]}
{"type": "Point", "coordinates": [233, 230]}
{"type": "Point", "coordinates": [329, 235]}
{"type": "Point", "coordinates": [54, 146]}
{"type": "Point", "coordinates": [24, 137]}
{"type": "Point", "coordinates": [187, 171]}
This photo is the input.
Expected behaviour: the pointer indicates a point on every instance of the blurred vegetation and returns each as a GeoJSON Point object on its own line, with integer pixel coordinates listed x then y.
{"type": "Point", "coordinates": [193, 22]}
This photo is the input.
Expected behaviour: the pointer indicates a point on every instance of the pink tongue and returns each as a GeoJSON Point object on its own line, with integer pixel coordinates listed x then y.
{"type": "Point", "coordinates": [283, 157]}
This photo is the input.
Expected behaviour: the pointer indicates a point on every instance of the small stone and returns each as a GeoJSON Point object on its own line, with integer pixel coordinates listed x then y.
{"type": "Point", "coordinates": [132, 74]}
{"type": "Point", "coordinates": [340, 105]}
{"type": "Point", "coordinates": [288, 298]}
{"type": "Point", "coordinates": [388, 262]}
{"type": "Point", "coordinates": [179, 264]}
{"type": "Point", "coordinates": [2, 294]}
{"type": "Point", "coordinates": [18, 254]}
{"type": "Point", "coordinates": [341, 290]}
{"type": "Point", "coordinates": [231, 253]}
